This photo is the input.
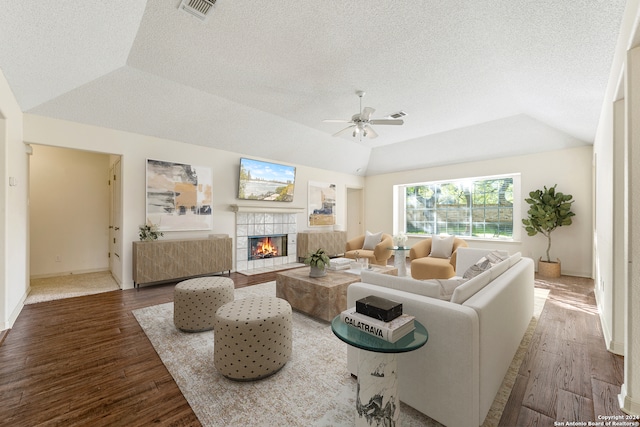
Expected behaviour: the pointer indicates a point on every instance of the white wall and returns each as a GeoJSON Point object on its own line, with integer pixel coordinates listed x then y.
{"type": "Point", "coordinates": [13, 227]}
{"type": "Point", "coordinates": [629, 397]}
{"type": "Point", "coordinates": [135, 149]}
{"type": "Point", "coordinates": [571, 169]}
{"type": "Point", "coordinates": [610, 239]}
{"type": "Point", "coordinates": [69, 211]}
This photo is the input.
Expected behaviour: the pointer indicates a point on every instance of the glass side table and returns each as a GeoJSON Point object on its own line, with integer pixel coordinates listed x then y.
{"type": "Point", "coordinates": [377, 400]}
{"type": "Point", "coordinates": [400, 259]}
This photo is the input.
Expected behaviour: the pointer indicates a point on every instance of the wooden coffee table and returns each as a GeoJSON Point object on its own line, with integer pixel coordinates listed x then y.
{"type": "Point", "coordinates": [322, 297]}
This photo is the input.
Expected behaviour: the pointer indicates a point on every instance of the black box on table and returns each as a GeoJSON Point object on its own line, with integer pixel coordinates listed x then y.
{"type": "Point", "coordinates": [379, 308]}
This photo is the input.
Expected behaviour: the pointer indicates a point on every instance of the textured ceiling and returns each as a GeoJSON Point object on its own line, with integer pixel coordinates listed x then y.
{"type": "Point", "coordinates": [477, 78]}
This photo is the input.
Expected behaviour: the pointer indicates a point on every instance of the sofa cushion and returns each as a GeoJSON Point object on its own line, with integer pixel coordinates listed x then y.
{"type": "Point", "coordinates": [514, 258]}
{"type": "Point", "coordinates": [427, 288]}
{"type": "Point", "coordinates": [448, 286]}
{"type": "Point", "coordinates": [470, 287]}
{"type": "Point", "coordinates": [371, 240]}
{"type": "Point", "coordinates": [499, 268]}
{"type": "Point", "coordinates": [441, 246]}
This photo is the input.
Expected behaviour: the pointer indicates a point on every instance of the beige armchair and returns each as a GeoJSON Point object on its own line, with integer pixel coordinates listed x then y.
{"type": "Point", "coordinates": [425, 267]}
{"type": "Point", "coordinates": [379, 255]}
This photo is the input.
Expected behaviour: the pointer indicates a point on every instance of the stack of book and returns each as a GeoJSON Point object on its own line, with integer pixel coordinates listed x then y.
{"type": "Point", "coordinates": [379, 317]}
{"type": "Point", "coordinates": [339, 264]}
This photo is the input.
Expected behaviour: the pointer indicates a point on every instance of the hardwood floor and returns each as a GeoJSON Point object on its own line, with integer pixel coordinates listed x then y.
{"type": "Point", "coordinates": [567, 375]}
{"type": "Point", "coordinates": [86, 361]}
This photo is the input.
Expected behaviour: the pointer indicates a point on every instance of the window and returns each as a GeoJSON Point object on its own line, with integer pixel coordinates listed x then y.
{"type": "Point", "coordinates": [475, 207]}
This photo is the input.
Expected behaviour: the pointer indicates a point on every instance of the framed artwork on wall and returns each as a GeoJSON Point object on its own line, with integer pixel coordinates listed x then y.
{"type": "Point", "coordinates": [259, 180]}
{"type": "Point", "coordinates": [322, 204]}
{"type": "Point", "coordinates": [179, 196]}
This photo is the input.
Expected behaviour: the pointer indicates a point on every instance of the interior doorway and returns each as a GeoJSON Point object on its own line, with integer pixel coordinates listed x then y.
{"type": "Point", "coordinates": [355, 212]}
{"type": "Point", "coordinates": [71, 210]}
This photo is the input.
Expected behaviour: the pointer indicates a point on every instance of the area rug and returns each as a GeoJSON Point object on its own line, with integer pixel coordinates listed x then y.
{"type": "Point", "coordinates": [313, 389]}
{"type": "Point", "coordinates": [70, 285]}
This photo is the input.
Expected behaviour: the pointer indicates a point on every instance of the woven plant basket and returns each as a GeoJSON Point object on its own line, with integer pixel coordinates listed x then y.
{"type": "Point", "coordinates": [549, 269]}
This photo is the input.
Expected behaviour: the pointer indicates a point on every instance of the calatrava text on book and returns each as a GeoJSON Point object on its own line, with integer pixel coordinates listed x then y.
{"type": "Point", "coordinates": [364, 327]}
{"type": "Point", "coordinates": [389, 331]}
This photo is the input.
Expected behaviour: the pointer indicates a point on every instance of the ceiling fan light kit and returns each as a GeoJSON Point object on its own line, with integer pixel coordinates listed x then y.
{"type": "Point", "coordinates": [361, 122]}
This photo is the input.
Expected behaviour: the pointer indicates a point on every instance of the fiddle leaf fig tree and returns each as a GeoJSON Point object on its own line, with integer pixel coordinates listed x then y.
{"type": "Point", "coordinates": [548, 210]}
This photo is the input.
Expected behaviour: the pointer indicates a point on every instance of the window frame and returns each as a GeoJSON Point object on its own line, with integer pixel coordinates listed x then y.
{"type": "Point", "coordinates": [400, 211]}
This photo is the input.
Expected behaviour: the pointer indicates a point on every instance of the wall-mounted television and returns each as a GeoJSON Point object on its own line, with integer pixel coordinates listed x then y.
{"type": "Point", "coordinates": [266, 181]}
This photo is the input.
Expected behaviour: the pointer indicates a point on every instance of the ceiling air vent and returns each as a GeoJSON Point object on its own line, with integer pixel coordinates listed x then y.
{"type": "Point", "coordinates": [397, 115]}
{"type": "Point", "coordinates": [198, 8]}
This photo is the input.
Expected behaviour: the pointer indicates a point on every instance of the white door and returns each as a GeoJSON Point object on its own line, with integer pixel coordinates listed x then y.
{"type": "Point", "coordinates": [115, 222]}
{"type": "Point", "coordinates": [355, 213]}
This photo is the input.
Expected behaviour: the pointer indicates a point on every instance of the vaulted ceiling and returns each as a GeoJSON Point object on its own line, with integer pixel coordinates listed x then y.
{"type": "Point", "coordinates": [477, 78]}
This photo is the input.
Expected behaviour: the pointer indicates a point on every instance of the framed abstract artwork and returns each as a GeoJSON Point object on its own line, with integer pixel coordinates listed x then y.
{"type": "Point", "coordinates": [322, 204]}
{"type": "Point", "coordinates": [179, 196]}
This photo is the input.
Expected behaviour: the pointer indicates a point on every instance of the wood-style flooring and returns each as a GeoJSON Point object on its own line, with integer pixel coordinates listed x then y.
{"type": "Point", "coordinates": [86, 362]}
{"type": "Point", "coordinates": [567, 375]}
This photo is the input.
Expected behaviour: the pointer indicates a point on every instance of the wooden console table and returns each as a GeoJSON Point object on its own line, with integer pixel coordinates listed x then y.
{"type": "Point", "coordinates": [333, 242]}
{"type": "Point", "coordinates": [163, 260]}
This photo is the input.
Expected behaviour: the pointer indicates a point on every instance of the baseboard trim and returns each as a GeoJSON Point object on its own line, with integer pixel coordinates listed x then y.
{"type": "Point", "coordinates": [613, 346]}
{"type": "Point", "coordinates": [627, 404]}
{"type": "Point", "coordinates": [8, 324]}
{"type": "Point", "coordinates": [3, 335]}
{"type": "Point", "coordinates": [68, 273]}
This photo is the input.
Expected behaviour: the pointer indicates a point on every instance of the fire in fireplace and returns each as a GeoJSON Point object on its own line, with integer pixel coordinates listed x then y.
{"type": "Point", "coordinates": [261, 247]}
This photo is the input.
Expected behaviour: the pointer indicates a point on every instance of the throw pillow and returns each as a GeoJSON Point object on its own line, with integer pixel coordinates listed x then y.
{"type": "Point", "coordinates": [441, 246]}
{"type": "Point", "coordinates": [484, 263]}
{"type": "Point", "coordinates": [495, 257]}
{"type": "Point", "coordinates": [480, 266]}
{"type": "Point", "coordinates": [371, 240]}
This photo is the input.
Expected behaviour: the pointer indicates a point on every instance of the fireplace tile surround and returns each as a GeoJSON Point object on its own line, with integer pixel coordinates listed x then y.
{"type": "Point", "coordinates": [264, 224]}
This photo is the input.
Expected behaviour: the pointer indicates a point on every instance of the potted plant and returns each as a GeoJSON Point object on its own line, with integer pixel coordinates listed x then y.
{"type": "Point", "coordinates": [149, 232]}
{"type": "Point", "coordinates": [317, 261]}
{"type": "Point", "coordinates": [548, 210]}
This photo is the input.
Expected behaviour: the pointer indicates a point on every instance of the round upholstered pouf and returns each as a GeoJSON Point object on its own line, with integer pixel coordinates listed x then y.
{"type": "Point", "coordinates": [195, 302]}
{"type": "Point", "coordinates": [252, 337]}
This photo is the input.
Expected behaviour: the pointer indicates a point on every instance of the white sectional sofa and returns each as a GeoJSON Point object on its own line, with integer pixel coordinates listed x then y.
{"type": "Point", "coordinates": [454, 378]}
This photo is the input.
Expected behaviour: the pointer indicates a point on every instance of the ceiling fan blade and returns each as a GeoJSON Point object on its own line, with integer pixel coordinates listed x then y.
{"type": "Point", "coordinates": [336, 121]}
{"type": "Point", "coordinates": [386, 122]}
{"type": "Point", "coordinates": [370, 132]}
{"type": "Point", "coordinates": [366, 113]}
{"type": "Point", "coordinates": [343, 130]}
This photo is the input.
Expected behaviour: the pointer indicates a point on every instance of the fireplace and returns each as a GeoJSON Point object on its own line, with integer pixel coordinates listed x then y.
{"type": "Point", "coordinates": [279, 226]}
{"type": "Point", "coordinates": [261, 247]}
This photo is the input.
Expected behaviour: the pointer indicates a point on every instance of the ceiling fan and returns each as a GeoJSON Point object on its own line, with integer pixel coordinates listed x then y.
{"type": "Point", "coordinates": [361, 122]}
